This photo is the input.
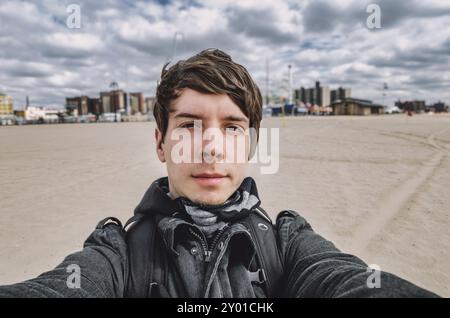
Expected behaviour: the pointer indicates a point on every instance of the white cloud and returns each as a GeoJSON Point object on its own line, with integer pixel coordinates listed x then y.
{"type": "Point", "coordinates": [77, 41]}
{"type": "Point", "coordinates": [129, 41]}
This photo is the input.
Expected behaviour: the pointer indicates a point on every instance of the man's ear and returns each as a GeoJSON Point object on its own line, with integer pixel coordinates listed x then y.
{"type": "Point", "coordinates": [159, 142]}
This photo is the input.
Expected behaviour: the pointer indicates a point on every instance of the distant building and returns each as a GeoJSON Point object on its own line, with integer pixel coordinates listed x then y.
{"type": "Point", "coordinates": [149, 104]}
{"type": "Point", "coordinates": [19, 113]}
{"type": "Point", "coordinates": [320, 95]}
{"type": "Point", "coordinates": [416, 106]}
{"type": "Point", "coordinates": [113, 101]}
{"type": "Point", "coordinates": [105, 100]}
{"type": "Point", "coordinates": [108, 103]}
{"type": "Point", "coordinates": [77, 106]}
{"type": "Point", "coordinates": [324, 96]}
{"type": "Point", "coordinates": [305, 95]}
{"type": "Point", "coordinates": [41, 114]}
{"type": "Point", "coordinates": [340, 93]}
{"type": "Point", "coordinates": [72, 105]}
{"type": "Point", "coordinates": [137, 103]}
{"type": "Point", "coordinates": [6, 105]}
{"type": "Point", "coordinates": [355, 106]}
{"type": "Point", "coordinates": [95, 106]}
{"type": "Point", "coordinates": [83, 105]}
{"type": "Point", "coordinates": [438, 107]}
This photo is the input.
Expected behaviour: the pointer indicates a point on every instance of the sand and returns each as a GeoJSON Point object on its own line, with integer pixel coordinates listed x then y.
{"type": "Point", "coordinates": [377, 187]}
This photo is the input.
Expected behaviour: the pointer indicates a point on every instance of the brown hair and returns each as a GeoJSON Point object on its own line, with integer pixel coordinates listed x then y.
{"type": "Point", "coordinates": [211, 71]}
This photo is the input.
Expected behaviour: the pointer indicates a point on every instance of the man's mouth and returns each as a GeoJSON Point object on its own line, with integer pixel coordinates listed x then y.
{"type": "Point", "coordinates": [209, 179]}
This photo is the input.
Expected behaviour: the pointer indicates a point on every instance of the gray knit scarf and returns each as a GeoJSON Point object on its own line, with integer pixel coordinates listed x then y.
{"type": "Point", "coordinates": [210, 218]}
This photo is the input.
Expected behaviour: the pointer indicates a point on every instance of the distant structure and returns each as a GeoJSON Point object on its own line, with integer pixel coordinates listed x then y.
{"type": "Point", "coordinates": [320, 95]}
{"type": "Point", "coordinates": [113, 101]}
{"type": "Point", "coordinates": [439, 107]}
{"type": "Point", "coordinates": [6, 110]}
{"type": "Point", "coordinates": [355, 106]}
{"type": "Point", "coordinates": [83, 105]}
{"type": "Point", "coordinates": [110, 102]}
{"type": "Point", "coordinates": [290, 101]}
{"type": "Point", "coordinates": [150, 104]}
{"type": "Point", "coordinates": [6, 105]}
{"type": "Point", "coordinates": [137, 103]}
{"type": "Point", "coordinates": [340, 94]}
{"type": "Point", "coordinates": [417, 106]}
{"type": "Point", "coordinates": [41, 114]}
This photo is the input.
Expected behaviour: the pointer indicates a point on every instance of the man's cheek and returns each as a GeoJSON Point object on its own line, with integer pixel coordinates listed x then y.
{"type": "Point", "coordinates": [236, 149]}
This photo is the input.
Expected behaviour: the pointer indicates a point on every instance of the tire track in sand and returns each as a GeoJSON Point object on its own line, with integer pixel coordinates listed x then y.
{"type": "Point", "coordinates": [392, 204]}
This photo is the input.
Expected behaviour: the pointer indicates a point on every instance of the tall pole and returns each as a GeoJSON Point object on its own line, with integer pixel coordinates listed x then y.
{"type": "Point", "coordinates": [127, 92]}
{"type": "Point", "coordinates": [114, 87]}
{"type": "Point", "coordinates": [174, 45]}
{"type": "Point", "coordinates": [385, 87]}
{"type": "Point", "coordinates": [290, 84]}
{"type": "Point", "coordinates": [267, 82]}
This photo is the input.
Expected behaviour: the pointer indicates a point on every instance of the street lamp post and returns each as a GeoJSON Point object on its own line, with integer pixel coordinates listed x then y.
{"type": "Point", "coordinates": [174, 45]}
{"type": "Point", "coordinates": [384, 89]}
{"type": "Point", "coordinates": [114, 87]}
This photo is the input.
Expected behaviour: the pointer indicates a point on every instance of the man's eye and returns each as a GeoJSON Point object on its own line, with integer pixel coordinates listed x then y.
{"type": "Point", "coordinates": [187, 125]}
{"type": "Point", "coordinates": [234, 128]}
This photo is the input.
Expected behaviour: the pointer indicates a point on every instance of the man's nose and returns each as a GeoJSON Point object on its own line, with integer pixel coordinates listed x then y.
{"type": "Point", "coordinates": [212, 156]}
{"type": "Point", "coordinates": [213, 144]}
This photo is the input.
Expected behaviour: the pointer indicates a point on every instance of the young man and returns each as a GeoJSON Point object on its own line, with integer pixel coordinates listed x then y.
{"type": "Point", "coordinates": [201, 232]}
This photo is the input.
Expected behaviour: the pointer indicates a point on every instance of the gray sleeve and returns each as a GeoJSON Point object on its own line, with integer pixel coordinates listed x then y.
{"type": "Point", "coordinates": [98, 270]}
{"type": "Point", "coordinates": [314, 267]}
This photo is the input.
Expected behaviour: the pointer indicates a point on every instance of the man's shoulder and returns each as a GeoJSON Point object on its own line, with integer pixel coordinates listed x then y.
{"type": "Point", "coordinates": [288, 224]}
{"type": "Point", "coordinates": [108, 233]}
{"type": "Point", "coordinates": [291, 220]}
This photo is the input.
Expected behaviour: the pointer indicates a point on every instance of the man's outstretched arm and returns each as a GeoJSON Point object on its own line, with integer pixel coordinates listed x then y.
{"type": "Point", "coordinates": [96, 271]}
{"type": "Point", "coordinates": [314, 267]}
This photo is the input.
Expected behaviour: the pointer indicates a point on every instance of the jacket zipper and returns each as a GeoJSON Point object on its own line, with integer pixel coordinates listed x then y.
{"type": "Point", "coordinates": [206, 249]}
{"type": "Point", "coordinates": [208, 286]}
{"type": "Point", "coordinates": [202, 240]}
{"type": "Point", "coordinates": [218, 237]}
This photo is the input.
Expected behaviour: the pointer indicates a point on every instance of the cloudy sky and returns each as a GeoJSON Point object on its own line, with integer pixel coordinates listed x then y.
{"type": "Point", "coordinates": [129, 41]}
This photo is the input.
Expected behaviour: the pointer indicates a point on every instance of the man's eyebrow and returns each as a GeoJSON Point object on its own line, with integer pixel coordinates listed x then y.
{"type": "Point", "coordinates": [235, 118]}
{"type": "Point", "coordinates": [188, 115]}
{"type": "Point", "coordinates": [226, 118]}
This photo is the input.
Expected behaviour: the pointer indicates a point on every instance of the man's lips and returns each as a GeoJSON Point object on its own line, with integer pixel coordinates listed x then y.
{"type": "Point", "coordinates": [209, 175]}
{"type": "Point", "coordinates": [209, 179]}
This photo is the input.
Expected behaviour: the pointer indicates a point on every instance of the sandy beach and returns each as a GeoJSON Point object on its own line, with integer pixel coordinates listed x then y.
{"type": "Point", "coordinates": [377, 186]}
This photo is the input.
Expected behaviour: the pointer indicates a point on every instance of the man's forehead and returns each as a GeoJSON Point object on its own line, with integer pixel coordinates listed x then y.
{"type": "Point", "coordinates": [201, 110]}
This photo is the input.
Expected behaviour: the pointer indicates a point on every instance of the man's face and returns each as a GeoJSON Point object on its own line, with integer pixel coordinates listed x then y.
{"type": "Point", "coordinates": [218, 142]}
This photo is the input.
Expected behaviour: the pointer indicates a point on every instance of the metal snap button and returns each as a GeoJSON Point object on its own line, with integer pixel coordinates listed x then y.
{"type": "Point", "coordinates": [194, 251]}
{"type": "Point", "coordinates": [220, 246]}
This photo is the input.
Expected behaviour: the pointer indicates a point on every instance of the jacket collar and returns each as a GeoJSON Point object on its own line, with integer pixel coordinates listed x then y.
{"type": "Point", "coordinates": [156, 200]}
